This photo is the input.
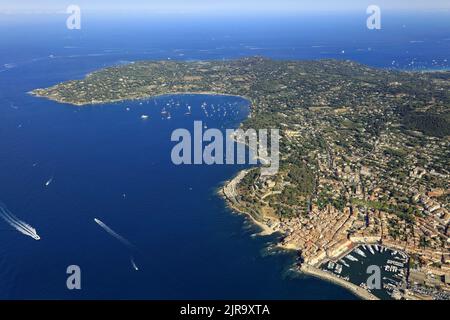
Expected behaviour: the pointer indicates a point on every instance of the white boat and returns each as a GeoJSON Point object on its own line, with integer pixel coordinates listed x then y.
{"type": "Point", "coordinates": [133, 263]}
{"type": "Point", "coordinates": [144, 117]}
{"type": "Point", "coordinates": [351, 258]}
{"type": "Point", "coordinates": [360, 252]}
{"type": "Point", "coordinates": [49, 182]}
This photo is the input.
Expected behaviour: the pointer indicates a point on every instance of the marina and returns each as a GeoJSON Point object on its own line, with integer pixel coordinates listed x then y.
{"type": "Point", "coordinates": [353, 268]}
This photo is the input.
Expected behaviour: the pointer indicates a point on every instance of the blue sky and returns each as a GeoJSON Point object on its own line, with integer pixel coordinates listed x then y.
{"type": "Point", "coordinates": [218, 6]}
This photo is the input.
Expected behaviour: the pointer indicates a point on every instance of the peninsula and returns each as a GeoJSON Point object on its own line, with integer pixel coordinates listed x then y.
{"type": "Point", "coordinates": [364, 157]}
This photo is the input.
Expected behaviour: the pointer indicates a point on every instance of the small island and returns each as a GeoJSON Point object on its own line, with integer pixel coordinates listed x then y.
{"type": "Point", "coordinates": [364, 159]}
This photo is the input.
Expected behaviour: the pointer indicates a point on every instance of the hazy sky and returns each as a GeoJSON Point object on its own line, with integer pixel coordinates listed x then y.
{"type": "Point", "coordinates": [218, 6]}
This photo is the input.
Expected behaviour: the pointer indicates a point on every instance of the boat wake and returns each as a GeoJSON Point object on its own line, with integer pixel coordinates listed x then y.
{"type": "Point", "coordinates": [114, 234]}
{"type": "Point", "coordinates": [121, 239]}
{"type": "Point", "coordinates": [17, 224]}
{"type": "Point", "coordinates": [133, 263]}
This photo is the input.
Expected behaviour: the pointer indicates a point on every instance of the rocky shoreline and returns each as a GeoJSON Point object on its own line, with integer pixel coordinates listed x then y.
{"type": "Point", "coordinates": [229, 193]}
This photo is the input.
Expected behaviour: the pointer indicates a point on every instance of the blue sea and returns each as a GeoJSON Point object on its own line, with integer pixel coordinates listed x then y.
{"type": "Point", "coordinates": [106, 162]}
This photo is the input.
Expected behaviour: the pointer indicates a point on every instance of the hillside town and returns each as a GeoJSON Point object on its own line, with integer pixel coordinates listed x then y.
{"type": "Point", "coordinates": [364, 153]}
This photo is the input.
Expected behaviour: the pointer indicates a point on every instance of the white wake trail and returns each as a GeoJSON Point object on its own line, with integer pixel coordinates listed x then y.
{"type": "Point", "coordinates": [120, 238]}
{"type": "Point", "coordinates": [114, 234]}
{"type": "Point", "coordinates": [133, 263]}
{"type": "Point", "coordinates": [18, 224]}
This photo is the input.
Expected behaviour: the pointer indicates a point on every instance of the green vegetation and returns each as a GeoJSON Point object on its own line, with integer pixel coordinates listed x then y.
{"type": "Point", "coordinates": [430, 124]}
{"type": "Point", "coordinates": [350, 133]}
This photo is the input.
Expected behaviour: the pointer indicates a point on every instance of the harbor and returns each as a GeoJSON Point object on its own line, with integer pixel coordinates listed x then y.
{"type": "Point", "coordinates": [352, 267]}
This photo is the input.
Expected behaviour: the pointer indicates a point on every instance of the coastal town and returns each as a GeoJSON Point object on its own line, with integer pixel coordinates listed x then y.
{"type": "Point", "coordinates": [364, 159]}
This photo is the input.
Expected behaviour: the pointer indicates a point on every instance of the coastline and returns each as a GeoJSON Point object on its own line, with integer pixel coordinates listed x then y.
{"type": "Point", "coordinates": [228, 192]}
{"type": "Point", "coordinates": [358, 291]}
{"type": "Point", "coordinates": [138, 95]}
{"type": "Point", "coordinates": [147, 96]}
{"type": "Point", "coordinates": [231, 191]}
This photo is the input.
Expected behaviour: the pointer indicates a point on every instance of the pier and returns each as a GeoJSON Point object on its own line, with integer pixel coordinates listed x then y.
{"type": "Point", "coordinates": [360, 292]}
